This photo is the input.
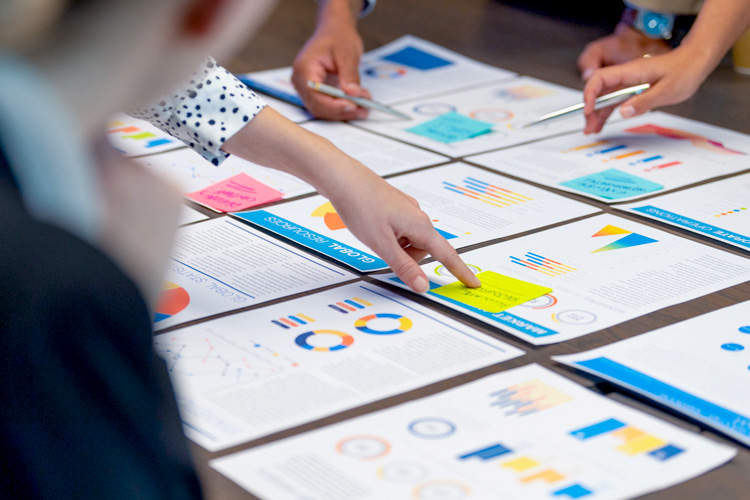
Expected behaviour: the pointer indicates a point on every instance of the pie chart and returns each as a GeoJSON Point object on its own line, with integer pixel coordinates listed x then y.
{"type": "Point", "coordinates": [330, 216]}
{"type": "Point", "coordinates": [173, 299]}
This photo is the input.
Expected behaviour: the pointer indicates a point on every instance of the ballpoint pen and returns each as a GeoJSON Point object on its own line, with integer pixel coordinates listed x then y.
{"type": "Point", "coordinates": [604, 101]}
{"type": "Point", "coordinates": [359, 101]}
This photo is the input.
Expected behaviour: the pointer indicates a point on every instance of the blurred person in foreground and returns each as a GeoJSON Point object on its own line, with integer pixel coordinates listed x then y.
{"type": "Point", "coordinates": [87, 407]}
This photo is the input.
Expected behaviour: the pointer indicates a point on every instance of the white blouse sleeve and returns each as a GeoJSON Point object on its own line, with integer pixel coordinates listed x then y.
{"type": "Point", "coordinates": [205, 111]}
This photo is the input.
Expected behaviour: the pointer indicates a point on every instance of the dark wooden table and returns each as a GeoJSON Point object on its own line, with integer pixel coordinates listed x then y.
{"type": "Point", "coordinates": [534, 45]}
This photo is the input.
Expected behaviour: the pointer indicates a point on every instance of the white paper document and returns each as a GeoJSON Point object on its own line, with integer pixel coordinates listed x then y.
{"type": "Point", "coordinates": [188, 171]}
{"type": "Point", "coordinates": [380, 154]}
{"type": "Point", "coordinates": [466, 204]}
{"type": "Point", "coordinates": [504, 107]}
{"type": "Point", "coordinates": [406, 68]}
{"type": "Point", "coordinates": [602, 271]}
{"type": "Point", "coordinates": [134, 137]}
{"type": "Point", "coordinates": [248, 375]}
{"type": "Point", "coordinates": [189, 215]}
{"type": "Point", "coordinates": [629, 159]}
{"type": "Point", "coordinates": [700, 367]}
{"type": "Point", "coordinates": [221, 265]}
{"type": "Point", "coordinates": [719, 210]}
{"type": "Point", "coordinates": [524, 434]}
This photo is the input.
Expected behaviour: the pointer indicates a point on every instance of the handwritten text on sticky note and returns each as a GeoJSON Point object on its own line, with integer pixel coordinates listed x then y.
{"type": "Point", "coordinates": [238, 192]}
{"type": "Point", "coordinates": [496, 294]}
{"type": "Point", "coordinates": [613, 184]}
{"type": "Point", "coordinates": [451, 127]}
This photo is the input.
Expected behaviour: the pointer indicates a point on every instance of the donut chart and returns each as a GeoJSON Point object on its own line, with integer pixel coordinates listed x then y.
{"type": "Point", "coordinates": [302, 340]}
{"type": "Point", "coordinates": [173, 299]}
{"type": "Point", "coordinates": [385, 71]}
{"type": "Point", "coordinates": [362, 324]}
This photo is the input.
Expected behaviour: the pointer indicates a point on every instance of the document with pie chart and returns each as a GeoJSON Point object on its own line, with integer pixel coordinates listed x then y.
{"type": "Point", "coordinates": [628, 160]}
{"type": "Point", "coordinates": [719, 210]}
{"type": "Point", "coordinates": [699, 367]}
{"type": "Point", "coordinates": [222, 265]}
{"type": "Point", "coordinates": [523, 434]}
{"type": "Point", "coordinates": [251, 374]}
{"type": "Point", "coordinates": [467, 205]}
{"type": "Point", "coordinates": [603, 270]}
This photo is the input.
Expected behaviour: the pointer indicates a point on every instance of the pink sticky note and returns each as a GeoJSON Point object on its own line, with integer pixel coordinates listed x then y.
{"type": "Point", "coordinates": [236, 193]}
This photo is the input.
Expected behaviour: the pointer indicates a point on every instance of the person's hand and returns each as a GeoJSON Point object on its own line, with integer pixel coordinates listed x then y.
{"type": "Point", "coordinates": [624, 45]}
{"type": "Point", "coordinates": [674, 77]}
{"type": "Point", "coordinates": [393, 226]}
{"type": "Point", "coordinates": [382, 217]}
{"type": "Point", "coordinates": [331, 56]}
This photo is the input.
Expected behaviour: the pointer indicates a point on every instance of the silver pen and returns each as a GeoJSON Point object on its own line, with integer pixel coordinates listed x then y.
{"type": "Point", "coordinates": [359, 101]}
{"type": "Point", "coordinates": [604, 101]}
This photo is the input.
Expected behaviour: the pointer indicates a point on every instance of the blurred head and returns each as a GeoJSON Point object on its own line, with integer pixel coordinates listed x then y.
{"type": "Point", "coordinates": [109, 55]}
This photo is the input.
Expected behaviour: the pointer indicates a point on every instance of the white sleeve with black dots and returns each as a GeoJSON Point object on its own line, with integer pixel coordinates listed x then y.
{"type": "Point", "coordinates": [206, 111]}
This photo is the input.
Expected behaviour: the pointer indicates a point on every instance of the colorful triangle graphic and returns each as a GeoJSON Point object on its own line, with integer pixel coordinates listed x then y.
{"type": "Point", "coordinates": [631, 240]}
{"type": "Point", "coordinates": [611, 231]}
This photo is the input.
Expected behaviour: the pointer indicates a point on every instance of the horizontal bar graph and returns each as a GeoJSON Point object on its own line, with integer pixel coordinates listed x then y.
{"type": "Point", "coordinates": [544, 265]}
{"type": "Point", "coordinates": [527, 398]}
{"type": "Point", "coordinates": [634, 441]}
{"type": "Point", "coordinates": [486, 192]}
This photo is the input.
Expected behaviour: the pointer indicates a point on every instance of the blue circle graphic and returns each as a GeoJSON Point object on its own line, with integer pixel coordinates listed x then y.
{"type": "Point", "coordinates": [432, 428]}
{"type": "Point", "coordinates": [732, 347]}
{"type": "Point", "coordinates": [745, 329]}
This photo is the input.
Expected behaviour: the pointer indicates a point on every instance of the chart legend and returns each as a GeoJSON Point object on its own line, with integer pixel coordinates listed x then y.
{"type": "Point", "coordinates": [350, 305]}
{"type": "Point", "coordinates": [293, 321]}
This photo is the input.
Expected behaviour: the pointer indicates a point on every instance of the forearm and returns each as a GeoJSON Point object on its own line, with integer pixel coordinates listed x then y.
{"type": "Point", "coordinates": [718, 25]}
{"type": "Point", "coordinates": [275, 142]}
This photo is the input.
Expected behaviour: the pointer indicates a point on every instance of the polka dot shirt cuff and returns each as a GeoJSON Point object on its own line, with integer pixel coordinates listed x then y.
{"type": "Point", "coordinates": [206, 111]}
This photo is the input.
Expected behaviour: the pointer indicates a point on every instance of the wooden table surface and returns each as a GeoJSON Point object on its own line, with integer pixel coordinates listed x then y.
{"type": "Point", "coordinates": [533, 45]}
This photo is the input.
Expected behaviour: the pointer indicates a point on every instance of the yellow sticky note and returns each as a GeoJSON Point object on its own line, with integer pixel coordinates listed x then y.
{"type": "Point", "coordinates": [496, 294]}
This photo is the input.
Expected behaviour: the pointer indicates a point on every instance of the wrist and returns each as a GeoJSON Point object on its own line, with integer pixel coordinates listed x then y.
{"type": "Point", "coordinates": [335, 14]}
{"type": "Point", "coordinates": [698, 56]}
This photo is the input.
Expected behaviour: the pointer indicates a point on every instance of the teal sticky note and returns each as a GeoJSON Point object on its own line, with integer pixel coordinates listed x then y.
{"type": "Point", "coordinates": [451, 127]}
{"type": "Point", "coordinates": [613, 184]}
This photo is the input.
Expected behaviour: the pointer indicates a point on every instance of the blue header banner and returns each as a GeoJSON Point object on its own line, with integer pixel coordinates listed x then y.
{"type": "Point", "coordinates": [353, 257]}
